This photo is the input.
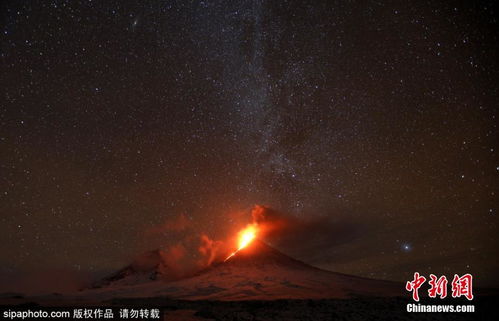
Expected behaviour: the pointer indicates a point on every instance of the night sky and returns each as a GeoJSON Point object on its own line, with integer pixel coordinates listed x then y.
{"type": "Point", "coordinates": [119, 116]}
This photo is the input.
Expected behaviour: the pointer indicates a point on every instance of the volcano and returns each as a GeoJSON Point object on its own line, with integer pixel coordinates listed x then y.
{"type": "Point", "coordinates": [149, 266]}
{"type": "Point", "coordinates": [256, 272]}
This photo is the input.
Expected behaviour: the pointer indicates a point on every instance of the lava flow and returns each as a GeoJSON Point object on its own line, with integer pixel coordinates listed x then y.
{"type": "Point", "coordinates": [245, 237]}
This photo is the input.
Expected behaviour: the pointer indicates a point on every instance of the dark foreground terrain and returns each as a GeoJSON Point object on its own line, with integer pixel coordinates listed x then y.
{"type": "Point", "coordinates": [486, 308]}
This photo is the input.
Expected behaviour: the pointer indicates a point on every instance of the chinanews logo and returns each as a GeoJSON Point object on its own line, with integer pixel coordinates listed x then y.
{"type": "Point", "coordinates": [461, 286]}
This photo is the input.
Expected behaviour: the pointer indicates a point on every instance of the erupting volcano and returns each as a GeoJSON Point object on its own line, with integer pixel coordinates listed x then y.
{"type": "Point", "coordinates": [255, 271]}
{"type": "Point", "coordinates": [246, 237]}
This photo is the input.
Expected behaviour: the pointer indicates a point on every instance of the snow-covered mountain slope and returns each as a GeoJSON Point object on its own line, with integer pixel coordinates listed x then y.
{"type": "Point", "coordinates": [148, 267]}
{"type": "Point", "coordinates": [257, 272]}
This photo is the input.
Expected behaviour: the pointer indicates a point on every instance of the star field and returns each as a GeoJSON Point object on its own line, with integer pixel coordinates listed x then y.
{"type": "Point", "coordinates": [118, 115]}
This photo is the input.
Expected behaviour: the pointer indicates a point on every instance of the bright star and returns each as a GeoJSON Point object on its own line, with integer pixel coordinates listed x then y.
{"type": "Point", "coordinates": [406, 247]}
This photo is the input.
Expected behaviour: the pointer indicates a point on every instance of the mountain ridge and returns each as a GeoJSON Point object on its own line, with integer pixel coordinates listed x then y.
{"type": "Point", "coordinates": [256, 272]}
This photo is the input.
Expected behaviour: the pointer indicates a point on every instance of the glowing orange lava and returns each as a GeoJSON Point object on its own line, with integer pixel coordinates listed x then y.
{"type": "Point", "coordinates": [245, 237]}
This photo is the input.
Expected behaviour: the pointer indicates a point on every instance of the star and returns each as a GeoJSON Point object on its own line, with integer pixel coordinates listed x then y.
{"type": "Point", "coordinates": [406, 247]}
{"type": "Point", "coordinates": [134, 114]}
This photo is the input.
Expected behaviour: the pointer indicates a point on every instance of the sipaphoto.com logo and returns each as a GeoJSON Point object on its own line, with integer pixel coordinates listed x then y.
{"type": "Point", "coordinates": [35, 314]}
{"type": "Point", "coordinates": [461, 286]}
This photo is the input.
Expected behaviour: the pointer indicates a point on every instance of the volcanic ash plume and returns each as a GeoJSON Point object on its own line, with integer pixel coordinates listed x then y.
{"type": "Point", "coordinates": [210, 250]}
{"type": "Point", "coordinates": [194, 250]}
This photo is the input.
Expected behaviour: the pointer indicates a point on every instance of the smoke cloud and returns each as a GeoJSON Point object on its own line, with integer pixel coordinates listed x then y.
{"type": "Point", "coordinates": [210, 250]}
{"type": "Point", "coordinates": [303, 237]}
{"type": "Point", "coordinates": [192, 250]}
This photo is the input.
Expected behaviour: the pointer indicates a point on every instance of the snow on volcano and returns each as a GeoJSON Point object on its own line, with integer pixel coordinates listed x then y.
{"type": "Point", "coordinates": [256, 272]}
